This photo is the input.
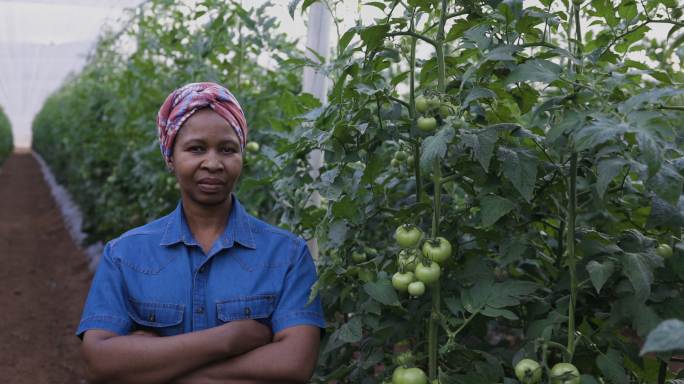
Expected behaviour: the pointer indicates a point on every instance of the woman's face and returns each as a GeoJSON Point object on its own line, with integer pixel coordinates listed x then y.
{"type": "Point", "coordinates": [206, 158]}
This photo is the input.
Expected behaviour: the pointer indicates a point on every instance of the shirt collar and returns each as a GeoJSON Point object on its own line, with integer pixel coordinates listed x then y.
{"type": "Point", "coordinates": [238, 230]}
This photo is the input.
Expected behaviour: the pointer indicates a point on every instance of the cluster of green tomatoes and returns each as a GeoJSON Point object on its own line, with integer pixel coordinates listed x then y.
{"type": "Point", "coordinates": [430, 108]}
{"type": "Point", "coordinates": [401, 157]}
{"type": "Point", "coordinates": [529, 371]}
{"type": "Point", "coordinates": [418, 268]}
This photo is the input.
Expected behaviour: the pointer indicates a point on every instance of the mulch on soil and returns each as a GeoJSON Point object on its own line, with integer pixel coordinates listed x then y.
{"type": "Point", "coordinates": [44, 279]}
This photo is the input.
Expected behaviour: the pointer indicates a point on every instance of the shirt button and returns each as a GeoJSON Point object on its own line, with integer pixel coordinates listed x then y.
{"type": "Point", "coordinates": [199, 309]}
{"type": "Point", "coordinates": [248, 311]}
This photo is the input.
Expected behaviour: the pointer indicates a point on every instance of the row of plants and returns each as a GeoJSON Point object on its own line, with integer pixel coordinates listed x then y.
{"type": "Point", "coordinates": [502, 193]}
{"type": "Point", "coordinates": [6, 140]}
{"type": "Point", "coordinates": [501, 199]}
{"type": "Point", "coordinates": [98, 132]}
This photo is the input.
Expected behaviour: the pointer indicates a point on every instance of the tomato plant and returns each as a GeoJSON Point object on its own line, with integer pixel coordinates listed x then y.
{"type": "Point", "coordinates": [437, 250]}
{"type": "Point", "coordinates": [6, 140]}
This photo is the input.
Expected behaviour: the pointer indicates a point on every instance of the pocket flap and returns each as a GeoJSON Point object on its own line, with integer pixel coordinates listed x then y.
{"type": "Point", "coordinates": [246, 307]}
{"type": "Point", "coordinates": [155, 314]}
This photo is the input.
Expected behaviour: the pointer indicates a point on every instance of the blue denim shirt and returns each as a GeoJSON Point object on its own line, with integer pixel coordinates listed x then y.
{"type": "Point", "coordinates": [157, 277]}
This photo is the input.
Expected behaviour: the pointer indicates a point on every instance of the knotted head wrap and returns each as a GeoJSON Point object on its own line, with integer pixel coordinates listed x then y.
{"type": "Point", "coordinates": [190, 98]}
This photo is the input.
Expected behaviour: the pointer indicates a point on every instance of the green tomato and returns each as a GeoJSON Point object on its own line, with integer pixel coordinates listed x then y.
{"type": "Point", "coordinates": [564, 373]}
{"type": "Point", "coordinates": [416, 288]}
{"type": "Point", "coordinates": [427, 124]}
{"type": "Point", "coordinates": [664, 251]}
{"type": "Point", "coordinates": [410, 160]}
{"type": "Point", "coordinates": [252, 147]}
{"type": "Point", "coordinates": [408, 235]}
{"type": "Point", "coordinates": [421, 104]}
{"type": "Point", "coordinates": [395, 163]}
{"type": "Point", "coordinates": [444, 110]}
{"type": "Point", "coordinates": [401, 281]}
{"type": "Point", "coordinates": [428, 274]}
{"type": "Point", "coordinates": [407, 259]}
{"type": "Point", "coordinates": [409, 376]}
{"type": "Point", "coordinates": [358, 257]}
{"type": "Point", "coordinates": [400, 155]}
{"type": "Point", "coordinates": [437, 250]}
{"type": "Point", "coordinates": [528, 371]}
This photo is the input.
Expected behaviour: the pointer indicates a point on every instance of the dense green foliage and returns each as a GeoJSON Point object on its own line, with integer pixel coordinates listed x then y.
{"type": "Point", "coordinates": [555, 171]}
{"type": "Point", "coordinates": [98, 131]}
{"type": "Point", "coordinates": [6, 140]}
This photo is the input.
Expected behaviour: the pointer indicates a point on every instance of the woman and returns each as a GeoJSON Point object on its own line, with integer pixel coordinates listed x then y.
{"type": "Point", "coordinates": [208, 293]}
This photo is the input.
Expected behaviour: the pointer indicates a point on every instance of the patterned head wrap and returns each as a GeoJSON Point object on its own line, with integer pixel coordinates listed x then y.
{"type": "Point", "coordinates": [190, 98]}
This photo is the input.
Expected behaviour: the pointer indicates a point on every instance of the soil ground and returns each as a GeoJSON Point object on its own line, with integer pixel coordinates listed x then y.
{"type": "Point", "coordinates": [44, 279]}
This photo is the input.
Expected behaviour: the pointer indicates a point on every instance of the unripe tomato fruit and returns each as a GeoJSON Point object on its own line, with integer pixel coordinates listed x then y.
{"type": "Point", "coordinates": [437, 250]}
{"type": "Point", "coordinates": [358, 257]}
{"type": "Point", "coordinates": [564, 373]}
{"type": "Point", "coordinates": [664, 251]}
{"type": "Point", "coordinates": [252, 146]}
{"type": "Point", "coordinates": [428, 274]}
{"type": "Point", "coordinates": [421, 104]}
{"type": "Point", "coordinates": [401, 281]}
{"type": "Point", "coordinates": [395, 163]}
{"type": "Point", "coordinates": [528, 371]}
{"type": "Point", "coordinates": [400, 155]}
{"type": "Point", "coordinates": [407, 259]}
{"type": "Point", "coordinates": [416, 288]}
{"type": "Point", "coordinates": [427, 124]}
{"type": "Point", "coordinates": [409, 376]}
{"type": "Point", "coordinates": [408, 236]}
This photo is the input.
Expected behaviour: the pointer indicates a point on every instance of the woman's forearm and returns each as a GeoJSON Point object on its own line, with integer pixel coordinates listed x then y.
{"type": "Point", "coordinates": [150, 359]}
{"type": "Point", "coordinates": [289, 359]}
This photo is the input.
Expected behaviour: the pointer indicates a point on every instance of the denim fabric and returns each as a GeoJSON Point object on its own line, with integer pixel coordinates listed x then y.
{"type": "Point", "coordinates": [157, 277]}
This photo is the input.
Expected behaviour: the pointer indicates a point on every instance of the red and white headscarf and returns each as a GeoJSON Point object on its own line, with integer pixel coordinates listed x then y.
{"type": "Point", "coordinates": [190, 98]}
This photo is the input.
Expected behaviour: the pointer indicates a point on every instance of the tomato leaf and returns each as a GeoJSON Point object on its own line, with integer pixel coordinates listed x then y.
{"type": "Point", "coordinates": [667, 336]}
{"type": "Point", "coordinates": [351, 331]}
{"type": "Point", "coordinates": [482, 143]}
{"type": "Point", "coordinates": [493, 208]}
{"type": "Point", "coordinates": [600, 273]}
{"type": "Point", "coordinates": [520, 168]}
{"type": "Point", "coordinates": [382, 291]}
{"type": "Point", "coordinates": [434, 148]}
{"type": "Point", "coordinates": [639, 270]}
{"type": "Point", "coordinates": [664, 214]}
{"type": "Point", "coordinates": [607, 170]}
{"type": "Point", "coordinates": [537, 70]}
{"type": "Point", "coordinates": [611, 365]}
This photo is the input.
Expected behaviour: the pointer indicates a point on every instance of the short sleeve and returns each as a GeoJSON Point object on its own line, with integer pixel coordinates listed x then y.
{"type": "Point", "coordinates": [293, 307]}
{"type": "Point", "coordinates": [105, 306]}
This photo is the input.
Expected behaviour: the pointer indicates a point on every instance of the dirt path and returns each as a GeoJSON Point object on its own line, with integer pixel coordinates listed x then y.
{"type": "Point", "coordinates": [44, 278]}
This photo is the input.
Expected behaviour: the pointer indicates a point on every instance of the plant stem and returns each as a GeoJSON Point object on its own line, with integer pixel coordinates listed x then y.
{"type": "Point", "coordinates": [572, 261]}
{"type": "Point", "coordinates": [420, 194]}
{"type": "Point", "coordinates": [433, 330]}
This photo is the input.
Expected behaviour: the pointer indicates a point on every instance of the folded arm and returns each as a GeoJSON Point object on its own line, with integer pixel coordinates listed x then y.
{"type": "Point", "coordinates": [141, 358]}
{"type": "Point", "coordinates": [290, 358]}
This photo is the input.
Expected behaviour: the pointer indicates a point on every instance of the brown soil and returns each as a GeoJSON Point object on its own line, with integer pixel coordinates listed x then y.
{"type": "Point", "coordinates": [44, 279]}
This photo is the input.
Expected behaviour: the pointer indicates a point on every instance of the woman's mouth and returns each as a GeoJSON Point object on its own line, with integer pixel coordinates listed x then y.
{"type": "Point", "coordinates": [210, 185]}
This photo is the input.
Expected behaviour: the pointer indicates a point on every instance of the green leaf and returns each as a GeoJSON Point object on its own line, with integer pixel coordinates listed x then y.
{"type": "Point", "coordinates": [650, 97]}
{"type": "Point", "coordinates": [482, 143]}
{"type": "Point", "coordinates": [292, 7]}
{"type": "Point", "coordinates": [667, 183]}
{"type": "Point", "coordinates": [497, 312]}
{"type": "Point", "coordinates": [639, 272]}
{"type": "Point", "coordinates": [611, 365]}
{"type": "Point", "coordinates": [650, 151]}
{"type": "Point", "coordinates": [351, 331]}
{"type": "Point", "coordinates": [382, 291]}
{"type": "Point", "coordinates": [605, 9]}
{"type": "Point", "coordinates": [493, 208]}
{"type": "Point", "coordinates": [346, 38]}
{"type": "Point", "coordinates": [374, 35]}
{"type": "Point", "coordinates": [520, 167]}
{"type": "Point", "coordinates": [627, 9]}
{"type": "Point", "coordinates": [345, 208]}
{"type": "Point", "coordinates": [434, 148]}
{"type": "Point", "coordinates": [572, 120]}
{"type": "Point", "coordinates": [535, 70]}
{"type": "Point", "coordinates": [510, 9]}
{"type": "Point", "coordinates": [600, 273]}
{"type": "Point", "coordinates": [667, 336]}
{"type": "Point", "coordinates": [477, 93]}
{"type": "Point", "coordinates": [337, 234]}
{"type": "Point", "coordinates": [606, 172]}
{"type": "Point", "coordinates": [664, 214]}
{"type": "Point", "coordinates": [600, 131]}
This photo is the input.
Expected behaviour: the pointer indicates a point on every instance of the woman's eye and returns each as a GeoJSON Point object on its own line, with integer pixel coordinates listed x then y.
{"type": "Point", "coordinates": [228, 150]}
{"type": "Point", "coordinates": [195, 149]}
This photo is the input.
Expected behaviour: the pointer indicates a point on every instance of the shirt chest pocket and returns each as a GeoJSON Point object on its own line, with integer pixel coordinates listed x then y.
{"type": "Point", "coordinates": [164, 319]}
{"type": "Point", "coordinates": [257, 307]}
